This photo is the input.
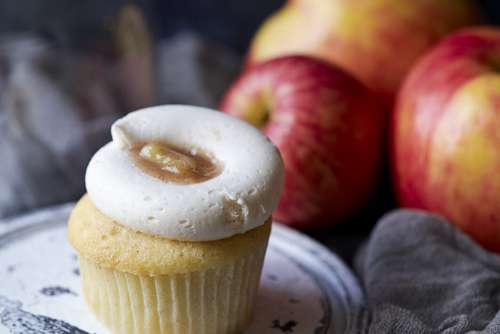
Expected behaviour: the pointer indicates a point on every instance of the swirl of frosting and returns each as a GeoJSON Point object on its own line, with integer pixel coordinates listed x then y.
{"type": "Point", "coordinates": [216, 176]}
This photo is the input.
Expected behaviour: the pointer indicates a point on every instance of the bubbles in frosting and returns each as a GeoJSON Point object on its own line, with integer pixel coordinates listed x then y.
{"type": "Point", "coordinates": [240, 196]}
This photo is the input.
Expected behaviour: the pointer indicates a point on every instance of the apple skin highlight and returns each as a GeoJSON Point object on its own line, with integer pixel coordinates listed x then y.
{"type": "Point", "coordinates": [446, 134]}
{"type": "Point", "coordinates": [328, 127]}
{"type": "Point", "coordinates": [377, 41]}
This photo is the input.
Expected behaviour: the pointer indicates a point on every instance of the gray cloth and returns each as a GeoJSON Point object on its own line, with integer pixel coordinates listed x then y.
{"type": "Point", "coordinates": [53, 114]}
{"type": "Point", "coordinates": [191, 70]}
{"type": "Point", "coordinates": [421, 275]}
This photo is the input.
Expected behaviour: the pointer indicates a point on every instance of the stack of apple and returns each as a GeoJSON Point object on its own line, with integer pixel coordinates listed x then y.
{"type": "Point", "coordinates": [322, 80]}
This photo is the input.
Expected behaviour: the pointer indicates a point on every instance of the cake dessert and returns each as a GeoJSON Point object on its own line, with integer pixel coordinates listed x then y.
{"type": "Point", "coordinates": [172, 232]}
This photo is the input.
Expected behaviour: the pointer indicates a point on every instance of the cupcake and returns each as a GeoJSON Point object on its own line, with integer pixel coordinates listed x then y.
{"type": "Point", "coordinates": [173, 230]}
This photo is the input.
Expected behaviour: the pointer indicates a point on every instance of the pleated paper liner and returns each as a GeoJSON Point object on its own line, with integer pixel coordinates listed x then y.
{"type": "Point", "coordinates": [214, 301]}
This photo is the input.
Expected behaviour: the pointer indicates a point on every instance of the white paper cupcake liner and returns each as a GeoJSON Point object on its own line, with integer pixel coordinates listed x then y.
{"type": "Point", "coordinates": [215, 301]}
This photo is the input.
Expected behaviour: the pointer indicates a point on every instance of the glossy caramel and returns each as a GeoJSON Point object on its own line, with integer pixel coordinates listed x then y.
{"type": "Point", "coordinates": [174, 164]}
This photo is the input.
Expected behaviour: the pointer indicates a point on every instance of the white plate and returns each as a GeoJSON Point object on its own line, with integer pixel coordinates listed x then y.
{"type": "Point", "coordinates": [304, 287]}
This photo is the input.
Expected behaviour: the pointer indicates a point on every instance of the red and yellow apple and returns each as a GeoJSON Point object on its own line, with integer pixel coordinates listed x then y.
{"type": "Point", "coordinates": [375, 40]}
{"type": "Point", "coordinates": [446, 134]}
{"type": "Point", "coordinates": [328, 127]}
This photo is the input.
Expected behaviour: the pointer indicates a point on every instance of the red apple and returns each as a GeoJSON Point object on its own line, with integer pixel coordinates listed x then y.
{"type": "Point", "coordinates": [375, 40]}
{"type": "Point", "coordinates": [446, 134]}
{"type": "Point", "coordinates": [328, 127]}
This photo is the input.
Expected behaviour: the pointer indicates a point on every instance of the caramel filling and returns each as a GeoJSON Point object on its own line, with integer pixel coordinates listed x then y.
{"type": "Point", "coordinates": [170, 163]}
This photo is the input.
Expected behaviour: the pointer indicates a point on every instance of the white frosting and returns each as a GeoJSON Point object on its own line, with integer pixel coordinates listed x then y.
{"type": "Point", "coordinates": [252, 175]}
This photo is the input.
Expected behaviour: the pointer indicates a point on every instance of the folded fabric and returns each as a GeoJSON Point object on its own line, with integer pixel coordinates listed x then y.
{"type": "Point", "coordinates": [421, 275]}
{"type": "Point", "coordinates": [191, 70]}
